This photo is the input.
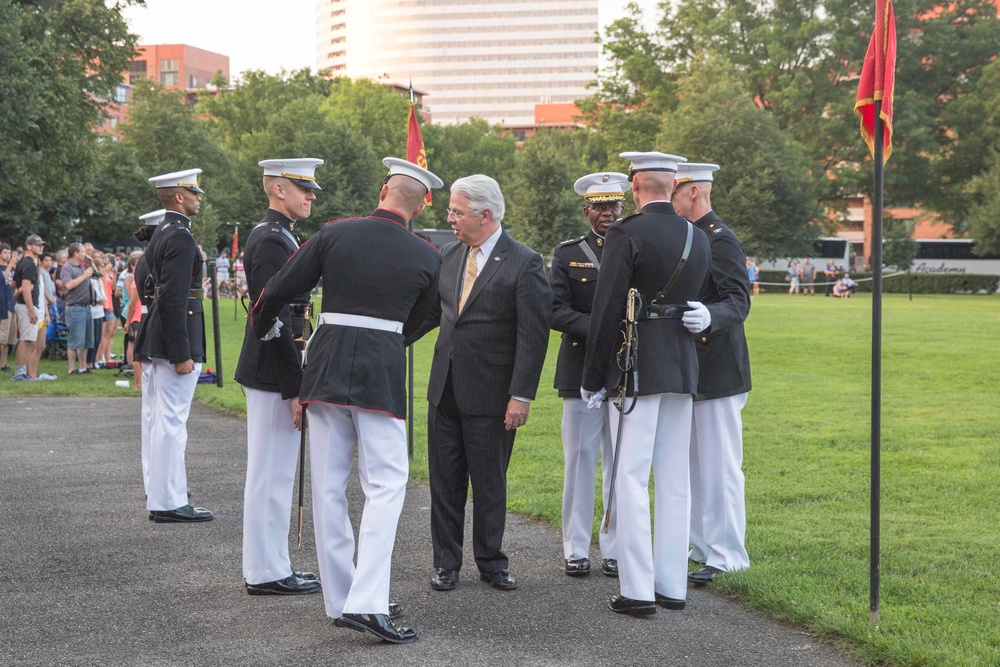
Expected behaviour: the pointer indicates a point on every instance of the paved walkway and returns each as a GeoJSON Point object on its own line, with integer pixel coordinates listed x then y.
{"type": "Point", "coordinates": [86, 579]}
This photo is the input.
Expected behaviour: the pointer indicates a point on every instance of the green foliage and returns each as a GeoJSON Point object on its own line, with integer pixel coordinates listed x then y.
{"type": "Point", "coordinates": [898, 249]}
{"type": "Point", "coordinates": [287, 115]}
{"type": "Point", "coordinates": [543, 209]}
{"type": "Point", "coordinates": [763, 190]}
{"type": "Point", "coordinates": [376, 111]}
{"type": "Point", "coordinates": [984, 218]}
{"type": "Point", "coordinates": [454, 151]}
{"type": "Point", "coordinates": [59, 61]}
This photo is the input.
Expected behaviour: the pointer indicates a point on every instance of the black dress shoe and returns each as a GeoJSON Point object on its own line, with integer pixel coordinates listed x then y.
{"type": "Point", "coordinates": [444, 579]}
{"type": "Point", "coordinates": [704, 575]}
{"type": "Point", "coordinates": [502, 580]}
{"type": "Point", "coordinates": [186, 514]}
{"type": "Point", "coordinates": [670, 603]}
{"type": "Point", "coordinates": [377, 624]}
{"type": "Point", "coordinates": [305, 576]}
{"type": "Point", "coordinates": [610, 567]}
{"type": "Point", "coordinates": [623, 605]}
{"type": "Point", "coordinates": [577, 567]}
{"type": "Point", "coordinates": [395, 610]}
{"type": "Point", "coordinates": [288, 586]}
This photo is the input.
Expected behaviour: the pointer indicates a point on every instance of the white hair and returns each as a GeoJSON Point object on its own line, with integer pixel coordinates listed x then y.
{"type": "Point", "coordinates": [482, 192]}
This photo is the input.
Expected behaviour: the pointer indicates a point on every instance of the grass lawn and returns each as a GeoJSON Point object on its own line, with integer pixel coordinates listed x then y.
{"type": "Point", "coordinates": [807, 462]}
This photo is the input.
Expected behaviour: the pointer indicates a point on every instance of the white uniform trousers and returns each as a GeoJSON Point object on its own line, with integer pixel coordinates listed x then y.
{"type": "Point", "coordinates": [272, 455]}
{"type": "Point", "coordinates": [334, 431]}
{"type": "Point", "coordinates": [657, 434]}
{"type": "Point", "coordinates": [718, 508]}
{"type": "Point", "coordinates": [172, 394]}
{"type": "Point", "coordinates": [146, 419]}
{"type": "Point", "coordinates": [585, 435]}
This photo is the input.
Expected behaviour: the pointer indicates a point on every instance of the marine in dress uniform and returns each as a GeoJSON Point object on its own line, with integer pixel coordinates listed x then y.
{"type": "Point", "coordinates": [271, 373]}
{"type": "Point", "coordinates": [718, 510]}
{"type": "Point", "coordinates": [666, 259]}
{"type": "Point", "coordinates": [379, 283]}
{"type": "Point", "coordinates": [586, 434]}
{"type": "Point", "coordinates": [150, 222]}
{"type": "Point", "coordinates": [172, 337]}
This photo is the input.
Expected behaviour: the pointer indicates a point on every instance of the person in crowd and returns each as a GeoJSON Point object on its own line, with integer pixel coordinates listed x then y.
{"type": "Point", "coordinates": [753, 275]}
{"type": "Point", "coordinates": [75, 278]}
{"type": "Point", "coordinates": [586, 434]}
{"type": "Point", "coordinates": [793, 277]}
{"type": "Point", "coordinates": [840, 290]}
{"type": "Point", "coordinates": [46, 304]}
{"type": "Point", "coordinates": [222, 273]}
{"type": "Point", "coordinates": [379, 283]}
{"type": "Point", "coordinates": [849, 283]}
{"type": "Point", "coordinates": [241, 275]}
{"type": "Point", "coordinates": [8, 315]}
{"type": "Point", "coordinates": [172, 337]}
{"type": "Point", "coordinates": [96, 260]}
{"type": "Point", "coordinates": [718, 506]}
{"type": "Point", "coordinates": [666, 260]}
{"type": "Point", "coordinates": [131, 315]}
{"type": "Point", "coordinates": [110, 324]}
{"type": "Point", "coordinates": [271, 375]}
{"type": "Point", "coordinates": [27, 290]}
{"type": "Point", "coordinates": [494, 311]}
{"type": "Point", "coordinates": [829, 276]}
{"type": "Point", "coordinates": [807, 277]}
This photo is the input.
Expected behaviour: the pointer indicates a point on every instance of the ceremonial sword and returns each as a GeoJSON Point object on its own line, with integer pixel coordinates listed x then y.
{"type": "Point", "coordinates": [626, 362]}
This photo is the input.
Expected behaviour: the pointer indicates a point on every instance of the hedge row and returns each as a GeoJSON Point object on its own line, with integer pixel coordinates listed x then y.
{"type": "Point", "coordinates": [919, 283]}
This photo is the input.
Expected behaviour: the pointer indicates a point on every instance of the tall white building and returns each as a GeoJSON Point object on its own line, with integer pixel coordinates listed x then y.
{"type": "Point", "coordinates": [493, 60]}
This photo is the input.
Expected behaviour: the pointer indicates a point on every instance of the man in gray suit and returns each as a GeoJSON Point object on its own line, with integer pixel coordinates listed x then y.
{"type": "Point", "coordinates": [494, 310]}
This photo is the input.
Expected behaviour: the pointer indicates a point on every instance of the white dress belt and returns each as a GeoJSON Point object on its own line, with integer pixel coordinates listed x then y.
{"type": "Point", "coordinates": [360, 321]}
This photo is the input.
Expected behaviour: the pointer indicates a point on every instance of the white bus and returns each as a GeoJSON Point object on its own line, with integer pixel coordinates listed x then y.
{"type": "Point", "coordinates": [953, 256]}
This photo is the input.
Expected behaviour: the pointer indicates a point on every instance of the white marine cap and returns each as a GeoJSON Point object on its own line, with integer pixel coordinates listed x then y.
{"type": "Point", "coordinates": [652, 161]}
{"type": "Point", "coordinates": [153, 218]}
{"type": "Point", "coordinates": [695, 172]}
{"type": "Point", "coordinates": [301, 171]}
{"type": "Point", "coordinates": [603, 186]}
{"type": "Point", "coordinates": [426, 178]}
{"type": "Point", "coordinates": [179, 179]}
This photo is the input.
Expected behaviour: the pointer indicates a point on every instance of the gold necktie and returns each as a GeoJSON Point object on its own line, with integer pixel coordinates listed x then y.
{"type": "Point", "coordinates": [470, 277]}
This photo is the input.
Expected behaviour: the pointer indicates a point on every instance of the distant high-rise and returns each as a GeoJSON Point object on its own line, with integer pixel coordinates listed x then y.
{"type": "Point", "coordinates": [474, 58]}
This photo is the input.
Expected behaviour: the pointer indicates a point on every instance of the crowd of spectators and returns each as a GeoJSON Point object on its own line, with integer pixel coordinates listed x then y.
{"type": "Point", "coordinates": [70, 305]}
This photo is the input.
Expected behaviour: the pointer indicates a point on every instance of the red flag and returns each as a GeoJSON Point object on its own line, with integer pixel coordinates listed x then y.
{"type": "Point", "coordinates": [236, 244]}
{"type": "Point", "coordinates": [878, 78]}
{"type": "Point", "coordinates": [415, 152]}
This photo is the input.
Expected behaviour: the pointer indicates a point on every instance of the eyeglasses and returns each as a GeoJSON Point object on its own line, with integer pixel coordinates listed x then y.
{"type": "Point", "coordinates": [459, 214]}
{"type": "Point", "coordinates": [605, 206]}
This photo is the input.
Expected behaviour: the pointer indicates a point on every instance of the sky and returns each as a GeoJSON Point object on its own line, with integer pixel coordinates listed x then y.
{"type": "Point", "coordinates": [256, 34]}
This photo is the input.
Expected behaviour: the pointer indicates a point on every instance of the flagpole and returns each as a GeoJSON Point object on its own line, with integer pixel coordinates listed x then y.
{"type": "Point", "coordinates": [876, 416]}
{"type": "Point", "coordinates": [409, 359]}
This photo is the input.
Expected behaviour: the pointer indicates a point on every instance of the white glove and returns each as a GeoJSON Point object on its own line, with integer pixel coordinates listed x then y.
{"type": "Point", "coordinates": [274, 332]}
{"type": "Point", "coordinates": [594, 398]}
{"type": "Point", "coordinates": [698, 318]}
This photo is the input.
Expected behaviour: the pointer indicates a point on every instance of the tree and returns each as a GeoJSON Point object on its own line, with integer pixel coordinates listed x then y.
{"type": "Point", "coordinates": [763, 189]}
{"type": "Point", "coordinates": [898, 249]}
{"type": "Point", "coordinates": [454, 151]}
{"type": "Point", "coordinates": [59, 63]}
{"type": "Point", "coordinates": [287, 115]}
{"type": "Point", "coordinates": [164, 134]}
{"type": "Point", "coordinates": [984, 218]}
{"type": "Point", "coordinates": [543, 209]}
{"type": "Point", "coordinates": [378, 112]}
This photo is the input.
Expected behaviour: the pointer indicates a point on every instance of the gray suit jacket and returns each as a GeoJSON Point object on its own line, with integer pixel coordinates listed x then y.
{"type": "Point", "coordinates": [495, 349]}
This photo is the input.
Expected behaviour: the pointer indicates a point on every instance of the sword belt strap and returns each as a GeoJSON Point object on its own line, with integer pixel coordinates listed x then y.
{"type": "Point", "coordinates": [680, 266]}
{"type": "Point", "coordinates": [589, 252]}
